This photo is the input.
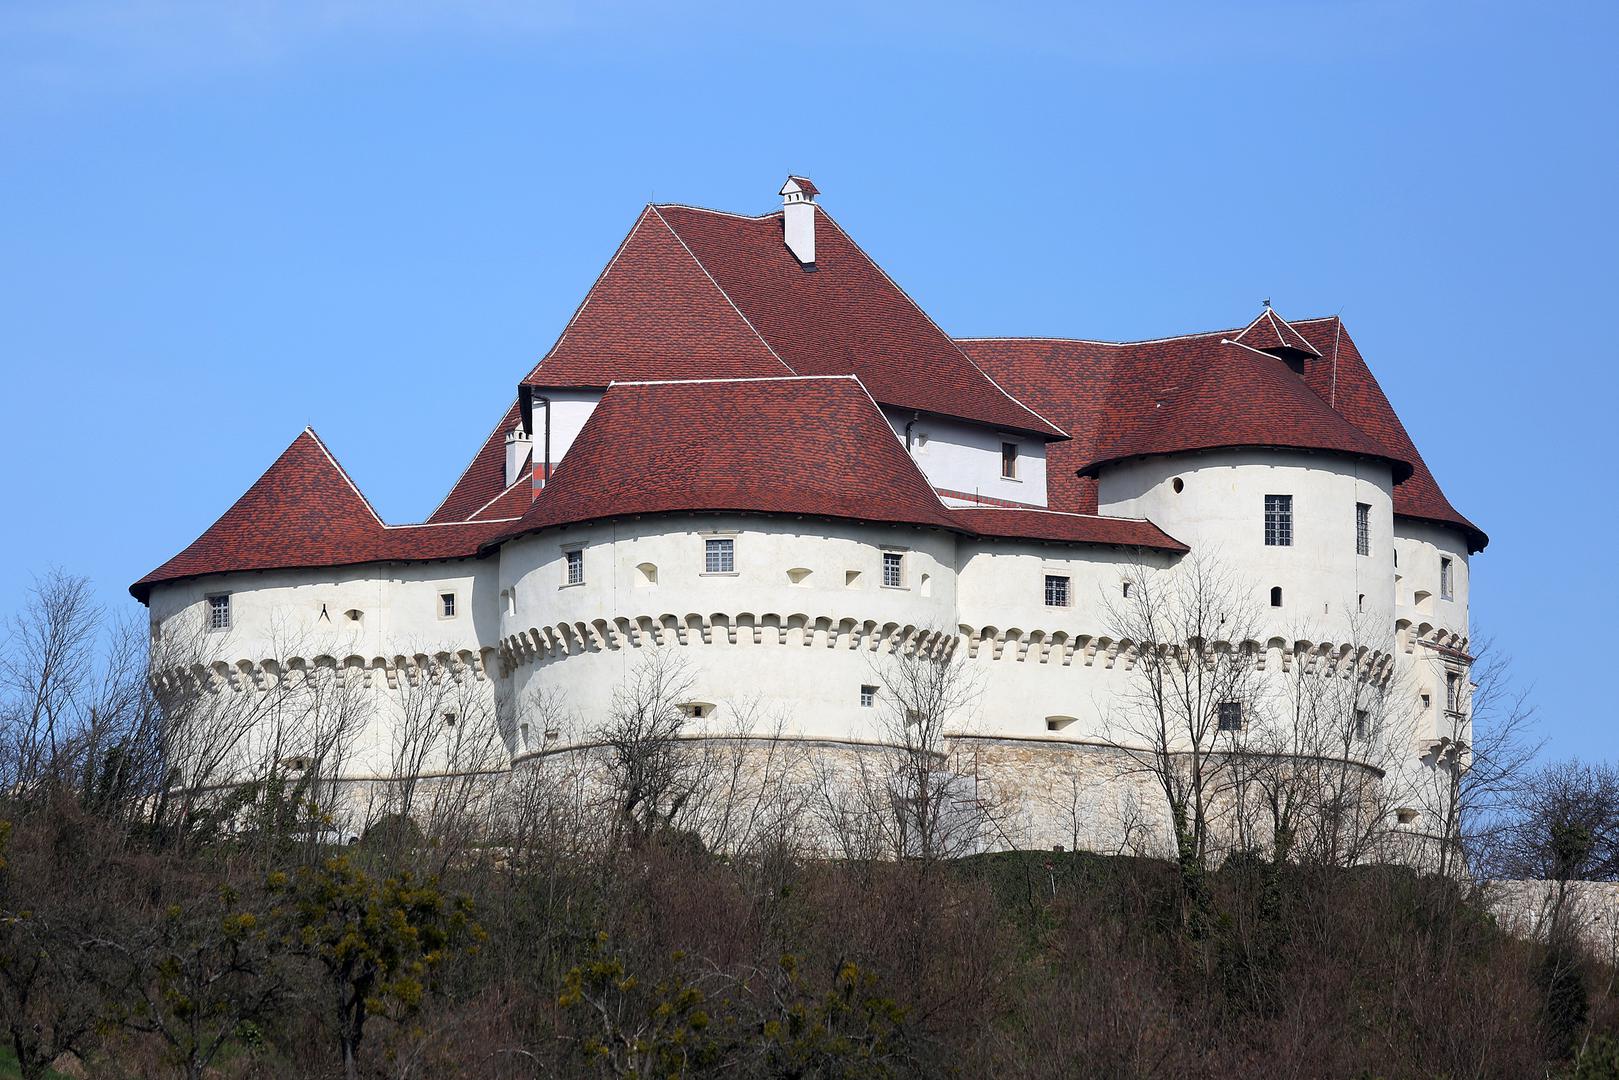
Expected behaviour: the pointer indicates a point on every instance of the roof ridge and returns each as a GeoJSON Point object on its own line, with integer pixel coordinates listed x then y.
{"type": "Point", "coordinates": [1049, 510]}
{"type": "Point", "coordinates": [721, 289]}
{"type": "Point", "coordinates": [1125, 343]}
{"type": "Point", "coordinates": [344, 473]}
{"type": "Point", "coordinates": [930, 321]}
{"type": "Point", "coordinates": [727, 379]}
{"type": "Point", "coordinates": [590, 292]}
{"type": "Point", "coordinates": [719, 213]}
{"type": "Point", "coordinates": [474, 459]}
{"type": "Point", "coordinates": [507, 490]}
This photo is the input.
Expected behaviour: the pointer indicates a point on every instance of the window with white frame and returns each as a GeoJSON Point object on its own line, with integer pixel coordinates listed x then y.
{"type": "Point", "coordinates": [1453, 691]}
{"type": "Point", "coordinates": [219, 611]}
{"type": "Point", "coordinates": [1278, 521]}
{"type": "Point", "coordinates": [446, 605]}
{"type": "Point", "coordinates": [1009, 460]}
{"type": "Point", "coordinates": [1056, 590]}
{"type": "Point", "coordinates": [573, 572]}
{"type": "Point", "coordinates": [1230, 717]}
{"type": "Point", "coordinates": [894, 569]}
{"type": "Point", "coordinates": [1363, 529]}
{"type": "Point", "coordinates": [868, 696]}
{"type": "Point", "coordinates": [719, 555]}
{"type": "Point", "coordinates": [1447, 585]}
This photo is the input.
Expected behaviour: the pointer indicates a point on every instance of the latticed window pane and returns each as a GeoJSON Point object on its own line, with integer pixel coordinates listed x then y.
{"type": "Point", "coordinates": [219, 612]}
{"type": "Point", "coordinates": [893, 569]}
{"type": "Point", "coordinates": [1278, 520]}
{"type": "Point", "coordinates": [1445, 584]}
{"type": "Point", "coordinates": [1230, 716]}
{"type": "Point", "coordinates": [868, 696]}
{"type": "Point", "coordinates": [719, 556]}
{"type": "Point", "coordinates": [1363, 529]}
{"type": "Point", "coordinates": [576, 567]}
{"type": "Point", "coordinates": [1056, 591]}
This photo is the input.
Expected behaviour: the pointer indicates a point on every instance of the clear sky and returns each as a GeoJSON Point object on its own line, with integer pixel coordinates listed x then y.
{"type": "Point", "coordinates": [221, 222]}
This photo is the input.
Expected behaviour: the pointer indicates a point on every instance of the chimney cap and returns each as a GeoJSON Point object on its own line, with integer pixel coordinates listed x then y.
{"type": "Point", "coordinates": [799, 185]}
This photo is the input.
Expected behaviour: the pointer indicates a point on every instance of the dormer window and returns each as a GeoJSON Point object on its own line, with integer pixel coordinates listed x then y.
{"type": "Point", "coordinates": [1009, 460]}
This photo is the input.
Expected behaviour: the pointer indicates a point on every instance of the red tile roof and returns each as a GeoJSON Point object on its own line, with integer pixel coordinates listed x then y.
{"type": "Point", "coordinates": [305, 512]}
{"type": "Point", "coordinates": [702, 294]}
{"type": "Point", "coordinates": [1117, 399]}
{"type": "Point", "coordinates": [1061, 527]}
{"type": "Point", "coordinates": [805, 185]}
{"type": "Point", "coordinates": [1270, 332]}
{"type": "Point", "coordinates": [483, 479]}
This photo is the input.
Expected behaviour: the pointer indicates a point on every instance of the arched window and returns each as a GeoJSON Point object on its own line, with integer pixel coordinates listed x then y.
{"type": "Point", "coordinates": [1275, 596]}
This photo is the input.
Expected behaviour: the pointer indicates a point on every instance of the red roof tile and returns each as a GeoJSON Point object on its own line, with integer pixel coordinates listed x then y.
{"type": "Point", "coordinates": [1269, 332]}
{"type": "Point", "coordinates": [484, 477]}
{"type": "Point", "coordinates": [701, 294]}
{"type": "Point", "coordinates": [813, 446]}
{"type": "Point", "coordinates": [805, 184]}
{"type": "Point", "coordinates": [306, 512]}
{"type": "Point", "coordinates": [1061, 527]}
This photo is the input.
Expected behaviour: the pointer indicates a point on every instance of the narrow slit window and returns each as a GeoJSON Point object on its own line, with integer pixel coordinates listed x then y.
{"type": "Point", "coordinates": [1278, 521]}
{"type": "Point", "coordinates": [219, 612]}
{"type": "Point", "coordinates": [1009, 460]}
{"type": "Point", "coordinates": [719, 556]}
{"type": "Point", "coordinates": [1363, 529]}
{"type": "Point", "coordinates": [1056, 590]}
{"type": "Point", "coordinates": [1447, 585]}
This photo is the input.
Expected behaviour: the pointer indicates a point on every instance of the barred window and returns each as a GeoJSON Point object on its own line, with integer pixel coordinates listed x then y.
{"type": "Point", "coordinates": [219, 612]}
{"type": "Point", "coordinates": [894, 569]}
{"type": "Point", "coordinates": [1278, 521]}
{"type": "Point", "coordinates": [719, 556]}
{"type": "Point", "coordinates": [576, 567]}
{"type": "Point", "coordinates": [1363, 529]}
{"type": "Point", "coordinates": [1230, 716]}
{"type": "Point", "coordinates": [868, 696]}
{"type": "Point", "coordinates": [1056, 590]}
{"type": "Point", "coordinates": [1446, 585]}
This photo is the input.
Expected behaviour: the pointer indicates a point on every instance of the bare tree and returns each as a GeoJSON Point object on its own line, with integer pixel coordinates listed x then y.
{"type": "Point", "coordinates": [649, 776]}
{"type": "Point", "coordinates": [1193, 697]}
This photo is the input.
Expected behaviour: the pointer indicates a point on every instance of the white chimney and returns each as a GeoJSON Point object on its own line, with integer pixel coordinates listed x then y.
{"type": "Point", "coordinates": [518, 445]}
{"type": "Point", "coordinates": [798, 218]}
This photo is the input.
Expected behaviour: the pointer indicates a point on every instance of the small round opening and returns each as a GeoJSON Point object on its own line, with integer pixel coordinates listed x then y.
{"type": "Point", "coordinates": [1178, 484]}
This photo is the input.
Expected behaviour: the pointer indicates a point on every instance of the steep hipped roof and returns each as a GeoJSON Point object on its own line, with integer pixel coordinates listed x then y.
{"type": "Point", "coordinates": [1269, 332]}
{"type": "Point", "coordinates": [813, 446]}
{"type": "Point", "coordinates": [701, 294]}
{"type": "Point", "coordinates": [306, 512]}
{"type": "Point", "coordinates": [1119, 399]}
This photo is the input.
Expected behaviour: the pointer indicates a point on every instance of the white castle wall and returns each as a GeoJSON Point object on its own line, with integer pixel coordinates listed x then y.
{"type": "Point", "coordinates": [959, 456]}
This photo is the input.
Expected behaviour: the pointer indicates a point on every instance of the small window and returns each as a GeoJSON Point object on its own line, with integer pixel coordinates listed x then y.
{"type": "Point", "coordinates": [646, 575]}
{"type": "Point", "coordinates": [1058, 723]}
{"type": "Point", "coordinates": [799, 576]}
{"type": "Point", "coordinates": [1396, 558]}
{"type": "Point", "coordinates": [1009, 460]}
{"type": "Point", "coordinates": [297, 763]}
{"type": "Point", "coordinates": [446, 605]}
{"type": "Point", "coordinates": [868, 697]}
{"type": "Point", "coordinates": [574, 567]}
{"type": "Point", "coordinates": [1363, 724]}
{"type": "Point", "coordinates": [1178, 485]}
{"type": "Point", "coordinates": [1230, 716]}
{"type": "Point", "coordinates": [1056, 590]}
{"type": "Point", "coordinates": [696, 709]}
{"type": "Point", "coordinates": [719, 556]}
{"type": "Point", "coordinates": [523, 744]}
{"type": "Point", "coordinates": [219, 611]}
{"type": "Point", "coordinates": [1275, 596]}
{"type": "Point", "coordinates": [1453, 691]}
{"type": "Point", "coordinates": [1127, 590]}
{"type": "Point", "coordinates": [1278, 521]}
{"type": "Point", "coordinates": [851, 579]}
{"type": "Point", "coordinates": [1447, 589]}
{"type": "Point", "coordinates": [354, 614]}
{"type": "Point", "coordinates": [1427, 702]}
{"type": "Point", "coordinates": [449, 719]}
{"type": "Point", "coordinates": [1405, 815]}
{"type": "Point", "coordinates": [894, 569]}
{"type": "Point", "coordinates": [511, 600]}
{"type": "Point", "coordinates": [1363, 529]}
{"type": "Point", "coordinates": [1360, 602]}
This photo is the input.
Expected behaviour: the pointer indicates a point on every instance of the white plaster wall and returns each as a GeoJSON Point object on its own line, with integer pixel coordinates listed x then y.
{"type": "Point", "coordinates": [966, 457]}
{"type": "Point", "coordinates": [1421, 545]}
{"type": "Point", "coordinates": [1220, 514]}
{"type": "Point", "coordinates": [569, 411]}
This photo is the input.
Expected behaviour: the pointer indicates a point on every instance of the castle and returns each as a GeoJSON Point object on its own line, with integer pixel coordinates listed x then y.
{"type": "Point", "coordinates": [751, 447]}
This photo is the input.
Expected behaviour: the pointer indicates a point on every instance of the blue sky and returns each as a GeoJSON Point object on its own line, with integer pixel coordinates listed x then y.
{"type": "Point", "coordinates": [222, 222]}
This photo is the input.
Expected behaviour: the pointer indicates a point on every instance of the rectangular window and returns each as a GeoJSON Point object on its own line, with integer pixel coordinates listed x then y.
{"type": "Point", "coordinates": [1447, 590]}
{"type": "Point", "coordinates": [576, 567]}
{"type": "Point", "coordinates": [1278, 521]}
{"type": "Point", "coordinates": [894, 569]}
{"type": "Point", "coordinates": [446, 605]}
{"type": "Point", "coordinates": [1453, 692]}
{"type": "Point", "coordinates": [1363, 529]}
{"type": "Point", "coordinates": [1230, 716]}
{"type": "Point", "coordinates": [1363, 724]}
{"type": "Point", "coordinates": [1056, 590]}
{"type": "Point", "coordinates": [868, 697]}
{"type": "Point", "coordinates": [719, 556]}
{"type": "Point", "coordinates": [219, 612]}
{"type": "Point", "coordinates": [1009, 460]}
